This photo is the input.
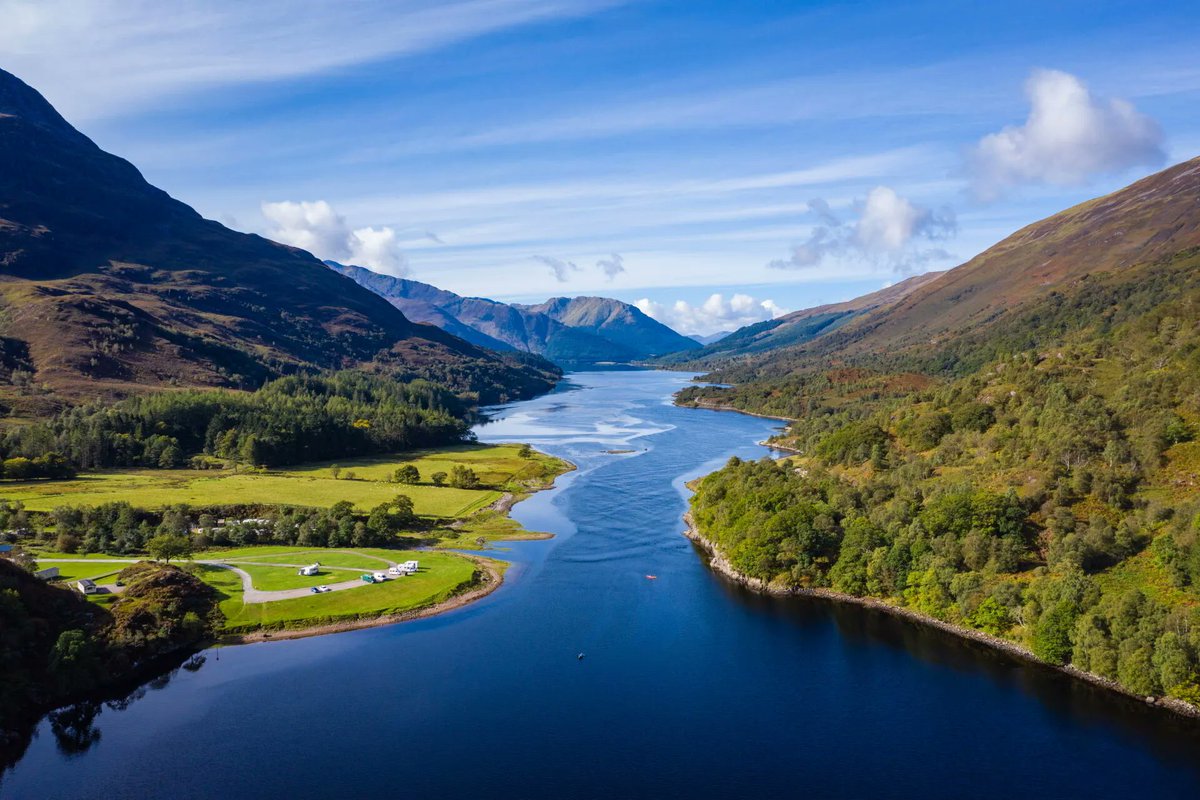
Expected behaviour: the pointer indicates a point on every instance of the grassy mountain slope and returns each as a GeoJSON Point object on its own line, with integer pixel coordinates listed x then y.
{"type": "Point", "coordinates": [109, 286]}
{"type": "Point", "coordinates": [1151, 219]}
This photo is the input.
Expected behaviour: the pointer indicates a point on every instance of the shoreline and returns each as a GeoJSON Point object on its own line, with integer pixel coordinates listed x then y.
{"type": "Point", "coordinates": [720, 565]}
{"type": "Point", "coordinates": [492, 579]}
{"type": "Point", "coordinates": [716, 407]}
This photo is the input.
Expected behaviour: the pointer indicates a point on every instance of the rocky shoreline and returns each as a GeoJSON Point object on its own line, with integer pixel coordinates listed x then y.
{"type": "Point", "coordinates": [710, 406]}
{"type": "Point", "coordinates": [718, 563]}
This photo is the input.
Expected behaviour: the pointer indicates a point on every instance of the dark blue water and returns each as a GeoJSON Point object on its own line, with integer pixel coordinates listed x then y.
{"type": "Point", "coordinates": [690, 688]}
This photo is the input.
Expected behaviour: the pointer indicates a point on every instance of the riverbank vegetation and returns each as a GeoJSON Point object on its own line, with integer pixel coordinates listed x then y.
{"type": "Point", "coordinates": [1037, 483]}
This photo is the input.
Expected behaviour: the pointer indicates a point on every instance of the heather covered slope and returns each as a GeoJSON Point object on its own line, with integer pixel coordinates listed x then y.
{"type": "Point", "coordinates": [1152, 219]}
{"type": "Point", "coordinates": [108, 286]}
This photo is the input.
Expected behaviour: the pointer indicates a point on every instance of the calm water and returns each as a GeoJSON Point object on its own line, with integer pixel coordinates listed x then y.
{"type": "Point", "coordinates": [690, 688]}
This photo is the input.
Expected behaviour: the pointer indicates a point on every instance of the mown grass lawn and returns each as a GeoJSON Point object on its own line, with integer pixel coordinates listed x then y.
{"type": "Point", "coordinates": [271, 579]}
{"type": "Point", "coordinates": [442, 574]}
{"type": "Point", "coordinates": [363, 558]}
{"type": "Point", "coordinates": [70, 572]}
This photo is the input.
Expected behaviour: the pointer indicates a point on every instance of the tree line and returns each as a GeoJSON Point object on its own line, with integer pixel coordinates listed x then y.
{"type": "Point", "coordinates": [288, 421]}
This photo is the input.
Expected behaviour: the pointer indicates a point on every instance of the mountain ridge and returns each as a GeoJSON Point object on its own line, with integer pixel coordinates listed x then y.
{"type": "Point", "coordinates": [110, 286]}
{"type": "Point", "coordinates": [572, 340]}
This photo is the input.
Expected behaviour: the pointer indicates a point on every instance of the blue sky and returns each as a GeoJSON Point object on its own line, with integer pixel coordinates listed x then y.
{"type": "Point", "coordinates": [793, 153]}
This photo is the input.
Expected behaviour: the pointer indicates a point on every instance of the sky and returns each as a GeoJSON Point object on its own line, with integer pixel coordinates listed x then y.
{"type": "Point", "coordinates": [717, 163]}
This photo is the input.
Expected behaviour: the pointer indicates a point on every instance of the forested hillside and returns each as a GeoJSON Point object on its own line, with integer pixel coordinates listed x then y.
{"type": "Point", "coordinates": [1035, 479]}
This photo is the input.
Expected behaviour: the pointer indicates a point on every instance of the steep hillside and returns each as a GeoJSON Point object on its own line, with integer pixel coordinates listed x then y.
{"type": "Point", "coordinates": [1011, 448]}
{"type": "Point", "coordinates": [618, 322]}
{"type": "Point", "coordinates": [795, 328]}
{"type": "Point", "coordinates": [109, 286]}
{"type": "Point", "coordinates": [934, 324]}
{"type": "Point", "coordinates": [494, 324]}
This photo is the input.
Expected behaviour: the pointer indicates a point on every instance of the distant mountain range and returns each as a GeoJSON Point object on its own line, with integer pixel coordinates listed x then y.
{"type": "Point", "coordinates": [108, 286]}
{"type": "Point", "coordinates": [576, 332]}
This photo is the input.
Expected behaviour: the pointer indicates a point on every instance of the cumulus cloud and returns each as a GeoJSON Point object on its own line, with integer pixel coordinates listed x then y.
{"type": "Point", "coordinates": [612, 266]}
{"type": "Point", "coordinates": [317, 228]}
{"type": "Point", "coordinates": [714, 314]}
{"type": "Point", "coordinates": [561, 268]}
{"type": "Point", "coordinates": [1069, 136]}
{"type": "Point", "coordinates": [888, 229]}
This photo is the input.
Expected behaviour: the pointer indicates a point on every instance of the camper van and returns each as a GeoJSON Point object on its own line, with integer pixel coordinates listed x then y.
{"type": "Point", "coordinates": [311, 569]}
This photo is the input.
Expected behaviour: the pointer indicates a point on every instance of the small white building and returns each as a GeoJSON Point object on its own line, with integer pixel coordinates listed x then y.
{"type": "Point", "coordinates": [311, 569]}
{"type": "Point", "coordinates": [47, 573]}
{"type": "Point", "coordinates": [87, 586]}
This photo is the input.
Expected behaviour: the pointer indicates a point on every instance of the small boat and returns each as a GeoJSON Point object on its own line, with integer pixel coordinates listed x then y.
{"type": "Point", "coordinates": [651, 577]}
{"type": "Point", "coordinates": [579, 657]}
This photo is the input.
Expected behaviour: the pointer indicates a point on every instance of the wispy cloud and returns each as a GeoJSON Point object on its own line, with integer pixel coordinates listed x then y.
{"type": "Point", "coordinates": [560, 268]}
{"type": "Point", "coordinates": [612, 266]}
{"type": "Point", "coordinates": [146, 50]}
{"type": "Point", "coordinates": [887, 227]}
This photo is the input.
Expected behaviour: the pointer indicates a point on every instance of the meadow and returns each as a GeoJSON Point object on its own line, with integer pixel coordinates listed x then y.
{"type": "Point", "coordinates": [365, 482]}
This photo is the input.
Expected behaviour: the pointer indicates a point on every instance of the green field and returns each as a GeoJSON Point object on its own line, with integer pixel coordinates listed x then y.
{"type": "Point", "coordinates": [441, 576]}
{"type": "Point", "coordinates": [72, 572]}
{"type": "Point", "coordinates": [309, 485]}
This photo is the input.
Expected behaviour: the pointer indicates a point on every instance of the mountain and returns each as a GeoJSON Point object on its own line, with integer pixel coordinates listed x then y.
{"type": "Point", "coordinates": [710, 338]}
{"type": "Point", "coordinates": [617, 322]}
{"type": "Point", "coordinates": [513, 327]}
{"type": "Point", "coordinates": [944, 318]}
{"type": "Point", "coordinates": [1012, 446]}
{"type": "Point", "coordinates": [109, 286]}
{"type": "Point", "coordinates": [796, 327]}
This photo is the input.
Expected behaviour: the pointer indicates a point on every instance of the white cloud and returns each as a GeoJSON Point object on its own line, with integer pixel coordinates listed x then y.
{"type": "Point", "coordinates": [612, 266]}
{"type": "Point", "coordinates": [317, 228]}
{"type": "Point", "coordinates": [887, 230]}
{"type": "Point", "coordinates": [714, 314]}
{"type": "Point", "coordinates": [1069, 136]}
{"type": "Point", "coordinates": [560, 268]}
